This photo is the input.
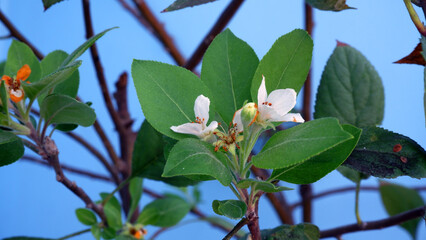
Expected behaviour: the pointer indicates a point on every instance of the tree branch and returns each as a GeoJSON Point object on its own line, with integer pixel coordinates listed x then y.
{"type": "Point", "coordinates": [15, 33]}
{"type": "Point", "coordinates": [159, 31]}
{"type": "Point", "coordinates": [69, 169]}
{"type": "Point", "coordinates": [387, 222]}
{"type": "Point", "coordinates": [220, 24]}
{"type": "Point", "coordinates": [237, 228]}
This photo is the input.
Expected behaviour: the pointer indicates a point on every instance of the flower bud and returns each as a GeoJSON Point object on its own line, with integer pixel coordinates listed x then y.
{"type": "Point", "coordinates": [249, 114]}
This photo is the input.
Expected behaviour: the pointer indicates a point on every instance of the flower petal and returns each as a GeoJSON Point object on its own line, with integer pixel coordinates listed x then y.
{"type": "Point", "coordinates": [292, 117]}
{"type": "Point", "coordinates": [7, 80]}
{"type": "Point", "coordinates": [201, 108]}
{"type": "Point", "coordinates": [23, 73]}
{"type": "Point", "coordinates": [261, 93]}
{"type": "Point", "coordinates": [17, 95]}
{"type": "Point", "coordinates": [188, 128]}
{"type": "Point", "coordinates": [282, 100]}
{"type": "Point", "coordinates": [213, 125]}
{"type": "Point", "coordinates": [236, 120]}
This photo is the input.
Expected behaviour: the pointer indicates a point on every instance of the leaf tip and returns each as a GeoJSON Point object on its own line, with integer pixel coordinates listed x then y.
{"type": "Point", "coordinates": [341, 44]}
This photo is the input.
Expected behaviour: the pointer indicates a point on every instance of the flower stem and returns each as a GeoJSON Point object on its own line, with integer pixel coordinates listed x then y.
{"type": "Point", "coordinates": [415, 18]}
{"type": "Point", "coordinates": [358, 218]}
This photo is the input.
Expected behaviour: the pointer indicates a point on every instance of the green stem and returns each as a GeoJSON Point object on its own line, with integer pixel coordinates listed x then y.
{"type": "Point", "coordinates": [358, 218]}
{"type": "Point", "coordinates": [122, 184]}
{"type": "Point", "coordinates": [74, 234]}
{"type": "Point", "coordinates": [415, 18]}
{"type": "Point", "coordinates": [235, 192]}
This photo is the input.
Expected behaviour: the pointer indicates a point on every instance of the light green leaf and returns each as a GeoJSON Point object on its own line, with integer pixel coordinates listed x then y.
{"type": "Point", "coordinates": [398, 199]}
{"type": "Point", "coordinates": [64, 109]}
{"type": "Point", "coordinates": [227, 77]}
{"type": "Point", "coordinates": [148, 157]}
{"type": "Point", "coordinates": [297, 144]}
{"type": "Point", "coordinates": [11, 148]}
{"type": "Point", "coordinates": [33, 90]}
{"type": "Point", "coordinates": [320, 165]}
{"type": "Point", "coordinates": [305, 231]}
{"type": "Point", "coordinates": [352, 174]}
{"type": "Point", "coordinates": [350, 89]}
{"type": "Point", "coordinates": [194, 157]}
{"type": "Point", "coordinates": [2, 64]}
{"type": "Point", "coordinates": [261, 185]}
{"type": "Point", "coordinates": [234, 209]}
{"type": "Point", "coordinates": [112, 211]}
{"type": "Point", "coordinates": [329, 5]}
{"type": "Point", "coordinates": [164, 212]}
{"type": "Point", "coordinates": [180, 4]}
{"type": "Point", "coordinates": [96, 232]}
{"type": "Point", "coordinates": [83, 47]}
{"type": "Point", "coordinates": [18, 55]}
{"type": "Point", "coordinates": [48, 3]}
{"type": "Point", "coordinates": [135, 190]}
{"type": "Point", "coordinates": [287, 63]}
{"type": "Point", "coordinates": [382, 153]}
{"type": "Point", "coordinates": [85, 216]}
{"type": "Point", "coordinates": [167, 95]}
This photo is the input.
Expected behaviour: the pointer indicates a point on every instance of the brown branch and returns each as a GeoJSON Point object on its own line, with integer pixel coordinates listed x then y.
{"type": "Point", "coordinates": [15, 33]}
{"type": "Point", "coordinates": [220, 24]}
{"type": "Point", "coordinates": [69, 169]}
{"type": "Point", "coordinates": [50, 152]}
{"type": "Point", "coordinates": [159, 31]}
{"type": "Point", "coordinates": [379, 224]}
{"type": "Point", "coordinates": [306, 193]}
{"type": "Point", "coordinates": [237, 228]}
{"type": "Point", "coordinates": [136, 14]}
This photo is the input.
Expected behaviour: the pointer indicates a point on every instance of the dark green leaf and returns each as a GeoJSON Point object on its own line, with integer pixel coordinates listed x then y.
{"type": "Point", "coordinates": [48, 3]}
{"type": "Point", "coordinates": [194, 157]}
{"type": "Point", "coordinates": [85, 216]}
{"type": "Point", "coordinates": [261, 185]}
{"type": "Point", "coordinates": [4, 102]}
{"type": "Point", "coordinates": [2, 64]}
{"type": "Point", "coordinates": [112, 211]}
{"type": "Point", "coordinates": [33, 90]}
{"type": "Point", "coordinates": [11, 148]}
{"type": "Point", "coordinates": [83, 47]}
{"type": "Point", "coordinates": [330, 5]}
{"type": "Point", "coordinates": [398, 199]}
{"type": "Point", "coordinates": [20, 54]}
{"type": "Point", "coordinates": [229, 78]}
{"type": "Point", "coordinates": [300, 143]}
{"type": "Point", "coordinates": [167, 95]}
{"type": "Point", "coordinates": [164, 212]}
{"type": "Point", "coordinates": [234, 209]}
{"type": "Point", "coordinates": [64, 109]}
{"type": "Point", "coordinates": [286, 64]}
{"type": "Point", "coordinates": [66, 127]}
{"type": "Point", "coordinates": [320, 165]}
{"type": "Point", "coordinates": [135, 190]}
{"type": "Point", "coordinates": [350, 89]}
{"type": "Point", "coordinates": [303, 231]}
{"type": "Point", "coordinates": [96, 232]}
{"type": "Point", "coordinates": [179, 4]}
{"type": "Point", "coordinates": [382, 153]}
{"type": "Point", "coordinates": [148, 157]}
{"type": "Point", "coordinates": [108, 233]}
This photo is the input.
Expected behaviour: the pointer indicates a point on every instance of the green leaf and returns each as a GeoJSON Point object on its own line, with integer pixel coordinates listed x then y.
{"type": "Point", "coordinates": [382, 153]}
{"type": "Point", "coordinates": [167, 95]}
{"type": "Point", "coordinates": [112, 211]}
{"type": "Point", "coordinates": [11, 148]}
{"type": "Point", "coordinates": [305, 231]}
{"type": "Point", "coordinates": [83, 47]}
{"type": "Point", "coordinates": [234, 209]}
{"type": "Point", "coordinates": [18, 55]}
{"type": "Point", "coordinates": [329, 5]}
{"type": "Point", "coordinates": [66, 127]}
{"type": "Point", "coordinates": [194, 157]}
{"type": "Point", "coordinates": [287, 63]}
{"type": "Point", "coordinates": [352, 174]}
{"type": "Point", "coordinates": [135, 190]}
{"type": "Point", "coordinates": [64, 109]}
{"type": "Point", "coordinates": [50, 64]}
{"type": "Point", "coordinates": [48, 3]}
{"type": "Point", "coordinates": [148, 157]}
{"type": "Point", "coordinates": [320, 165]}
{"type": "Point", "coordinates": [350, 89]}
{"type": "Point", "coordinates": [164, 212]}
{"type": "Point", "coordinates": [180, 4]}
{"type": "Point", "coordinates": [398, 199]}
{"type": "Point", "coordinates": [2, 64]}
{"type": "Point", "coordinates": [108, 233]}
{"type": "Point", "coordinates": [4, 102]}
{"type": "Point", "coordinates": [33, 90]}
{"type": "Point", "coordinates": [27, 238]}
{"type": "Point", "coordinates": [300, 143]}
{"type": "Point", "coordinates": [85, 216]}
{"type": "Point", "coordinates": [96, 232]}
{"type": "Point", "coordinates": [261, 185]}
{"type": "Point", "coordinates": [226, 75]}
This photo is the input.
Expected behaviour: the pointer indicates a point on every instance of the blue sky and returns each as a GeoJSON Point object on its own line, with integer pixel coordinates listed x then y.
{"type": "Point", "coordinates": [34, 204]}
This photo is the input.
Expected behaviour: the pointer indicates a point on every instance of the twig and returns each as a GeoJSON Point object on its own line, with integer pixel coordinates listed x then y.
{"type": "Point", "coordinates": [74, 234]}
{"type": "Point", "coordinates": [237, 227]}
{"type": "Point", "coordinates": [69, 169]}
{"type": "Point", "coordinates": [306, 193]}
{"type": "Point", "coordinates": [220, 24]}
{"type": "Point", "coordinates": [158, 232]}
{"type": "Point", "coordinates": [15, 33]}
{"type": "Point", "coordinates": [159, 31]}
{"type": "Point", "coordinates": [110, 149]}
{"type": "Point", "coordinates": [135, 14]}
{"type": "Point", "coordinates": [387, 222]}
{"type": "Point", "coordinates": [6, 36]}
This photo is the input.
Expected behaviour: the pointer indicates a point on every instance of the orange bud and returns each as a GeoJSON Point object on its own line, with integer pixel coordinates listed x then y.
{"type": "Point", "coordinates": [23, 73]}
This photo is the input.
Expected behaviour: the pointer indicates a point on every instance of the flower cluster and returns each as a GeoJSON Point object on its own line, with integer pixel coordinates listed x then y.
{"type": "Point", "coordinates": [13, 84]}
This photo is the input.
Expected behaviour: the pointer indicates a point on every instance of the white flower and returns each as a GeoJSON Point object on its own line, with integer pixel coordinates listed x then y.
{"type": "Point", "coordinates": [273, 108]}
{"type": "Point", "coordinates": [199, 128]}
